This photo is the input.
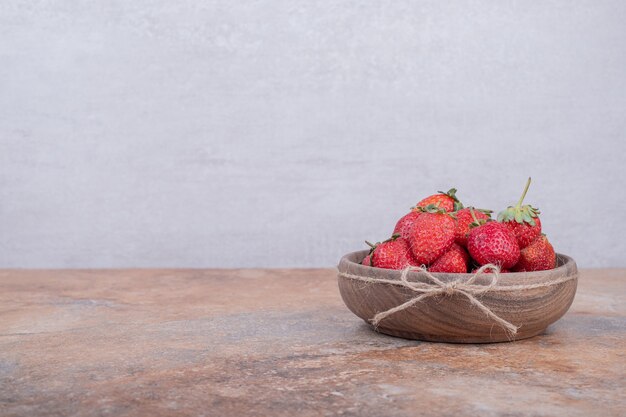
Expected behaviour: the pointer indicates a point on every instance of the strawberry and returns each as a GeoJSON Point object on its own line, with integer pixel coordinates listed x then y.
{"type": "Point", "coordinates": [525, 233]}
{"type": "Point", "coordinates": [523, 221]}
{"type": "Point", "coordinates": [447, 201]}
{"type": "Point", "coordinates": [432, 234]}
{"type": "Point", "coordinates": [393, 253]}
{"type": "Point", "coordinates": [463, 220]}
{"type": "Point", "coordinates": [404, 225]}
{"type": "Point", "coordinates": [367, 261]}
{"type": "Point", "coordinates": [454, 260]}
{"type": "Point", "coordinates": [492, 242]}
{"type": "Point", "coordinates": [538, 256]}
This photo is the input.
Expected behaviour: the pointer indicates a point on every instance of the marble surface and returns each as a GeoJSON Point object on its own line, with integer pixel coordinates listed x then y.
{"type": "Point", "coordinates": [281, 343]}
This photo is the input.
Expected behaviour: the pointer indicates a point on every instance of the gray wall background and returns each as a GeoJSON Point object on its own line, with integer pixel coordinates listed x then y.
{"type": "Point", "coordinates": [283, 133]}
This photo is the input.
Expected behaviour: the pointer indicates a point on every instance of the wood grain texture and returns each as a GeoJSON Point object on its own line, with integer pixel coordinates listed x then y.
{"type": "Point", "coordinates": [131, 343]}
{"type": "Point", "coordinates": [452, 318]}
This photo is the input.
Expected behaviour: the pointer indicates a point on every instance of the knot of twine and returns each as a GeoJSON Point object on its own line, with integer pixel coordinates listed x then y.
{"type": "Point", "coordinates": [461, 286]}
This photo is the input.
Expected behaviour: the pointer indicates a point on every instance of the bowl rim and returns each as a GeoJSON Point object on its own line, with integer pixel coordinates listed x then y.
{"type": "Point", "coordinates": [566, 267]}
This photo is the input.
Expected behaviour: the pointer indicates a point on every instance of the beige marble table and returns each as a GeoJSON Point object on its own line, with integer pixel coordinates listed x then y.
{"type": "Point", "coordinates": [281, 343]}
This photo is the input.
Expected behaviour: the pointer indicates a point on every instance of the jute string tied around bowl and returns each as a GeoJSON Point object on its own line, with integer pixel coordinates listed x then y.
{"type": "Point", "coordinates": [461, 286]}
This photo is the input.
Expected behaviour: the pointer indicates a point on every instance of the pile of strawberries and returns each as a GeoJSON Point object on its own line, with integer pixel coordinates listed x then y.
{"type": "Point", "coordinates": [444, 236]}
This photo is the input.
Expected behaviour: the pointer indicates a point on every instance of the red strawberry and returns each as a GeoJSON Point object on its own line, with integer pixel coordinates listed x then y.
{"type": "Point", "coordinates": [538, 256]}
{"type": "Point", "coordinates": [405, 224]}
{"type": "Point", "coordinates": [493, 242]}
{"type": "Point", "coordinates": [367, 261]}
{"type": "Point", "coordinates": [447, 201]}
{"type": "Point", "coordinates": [463, 220]}
{"type": "Point", "coordinates": [525, 232]}
{"type": "Point", "coordinates": [432, 234]}
{"type": "Point", "coordinates": [454, 260]}
{"type": "Point", "coordinates": [393, 253]}
{"type": "Point", "coordinates": [522, 220]}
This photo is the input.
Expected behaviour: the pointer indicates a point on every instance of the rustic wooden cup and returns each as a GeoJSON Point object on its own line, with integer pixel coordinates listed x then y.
{"type": "Point", "coordinates": [451, 318]}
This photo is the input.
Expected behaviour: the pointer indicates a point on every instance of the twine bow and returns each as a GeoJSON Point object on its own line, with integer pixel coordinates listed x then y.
{"type": "Point", "coordinates": [467, 288]}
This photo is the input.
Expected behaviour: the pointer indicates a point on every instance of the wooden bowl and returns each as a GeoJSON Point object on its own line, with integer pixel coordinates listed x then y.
{"type": "Point", "coordinates": [452, 318]}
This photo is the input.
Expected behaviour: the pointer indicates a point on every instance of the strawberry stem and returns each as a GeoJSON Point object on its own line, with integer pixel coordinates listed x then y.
{"type": "Point", "coordinates": [521, 200]}
{"type": "Point", "coordinates": [473, 215]}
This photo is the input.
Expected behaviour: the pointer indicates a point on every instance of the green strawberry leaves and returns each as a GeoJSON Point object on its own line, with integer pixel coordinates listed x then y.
{"type": "Point", "coordinates": [523, 214]}
{"type": "Point", "coordinates": [434, 209]}
{"type": "Point", "coordinates": [485, 211]}
{"type": "Point", "coordinates": [518, 213]}
{"type": "Point", "coordinates": [452, 194]}
{"type": "Point", "coordinates": [373, 245]}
